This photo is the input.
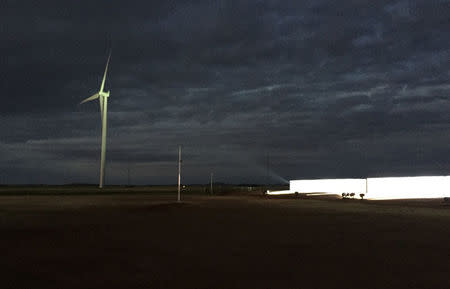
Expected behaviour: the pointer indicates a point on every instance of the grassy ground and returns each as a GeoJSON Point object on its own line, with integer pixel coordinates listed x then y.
{"type": "Point", "coordinates": [149, 241]}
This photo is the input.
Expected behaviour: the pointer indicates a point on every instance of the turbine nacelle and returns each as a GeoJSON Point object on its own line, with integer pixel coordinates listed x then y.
{"type": "Point", "coordinates": [104, 93]}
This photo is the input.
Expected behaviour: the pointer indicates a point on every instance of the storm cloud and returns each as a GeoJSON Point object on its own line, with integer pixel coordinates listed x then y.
{"type": "Point", "coordinates": [320, 88]}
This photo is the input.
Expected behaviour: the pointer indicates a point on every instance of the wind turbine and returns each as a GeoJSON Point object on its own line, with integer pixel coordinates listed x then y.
{"type": "Point", "coordinates": [103, 99]}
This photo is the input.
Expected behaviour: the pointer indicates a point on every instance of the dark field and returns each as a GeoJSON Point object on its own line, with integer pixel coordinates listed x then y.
{"type": "Point", "coordinates": [148, 241]}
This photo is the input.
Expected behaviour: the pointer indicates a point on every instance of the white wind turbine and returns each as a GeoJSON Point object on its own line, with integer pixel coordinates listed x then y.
{"type": "Point", "coordinates": [103, 99]}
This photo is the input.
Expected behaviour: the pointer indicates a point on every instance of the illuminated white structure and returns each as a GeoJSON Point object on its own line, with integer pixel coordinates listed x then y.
{"type": "Point", "coordinates": [408, 187]}
{"type": "Point", "coordinates": [103, 100]}
{"type": "Point", "coordinates": [374, 188]}
{"type": "Point", "coordinates": [324, 187]}
{"type": "Point", "coordinates": [329, 186]}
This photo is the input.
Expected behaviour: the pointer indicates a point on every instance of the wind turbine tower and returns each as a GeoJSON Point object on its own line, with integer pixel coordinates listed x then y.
{"type": "Point", "coordinates": [103, 100]}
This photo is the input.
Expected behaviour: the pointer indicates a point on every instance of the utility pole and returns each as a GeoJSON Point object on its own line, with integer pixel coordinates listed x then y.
{"type": "Point", "coordinates": [179, 173]}
{"type": "Point", "coordinates": [267, 171]}
{"type": "Point", "coordinates": [212, 183]}
{"type": "Point", "coordinates": [128, 174]}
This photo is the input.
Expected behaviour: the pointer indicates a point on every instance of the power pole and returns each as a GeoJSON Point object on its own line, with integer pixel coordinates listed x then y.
{"type": "Point", "coordinates": [179, 173]}
{"type": "Point", "coordinates": [267, 171]}
{"type": "Point", "coordinates": [128, 173]}
{"type": "Point", "coordinates": [212, 183]}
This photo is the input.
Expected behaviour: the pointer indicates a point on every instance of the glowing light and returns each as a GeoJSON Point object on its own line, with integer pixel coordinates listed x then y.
{"type": "Point", "coordinates": [408, 188]}
{"type": "Point", "coordinates": [377, 188]}
{"type": "Point", "coordinates": [279, 192]}
{"type": "Point", "coordinates": [329, 186]}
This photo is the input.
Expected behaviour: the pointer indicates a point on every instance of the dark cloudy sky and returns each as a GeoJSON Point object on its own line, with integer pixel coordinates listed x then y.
{"type": "Point", "coordinates": [325, 88]}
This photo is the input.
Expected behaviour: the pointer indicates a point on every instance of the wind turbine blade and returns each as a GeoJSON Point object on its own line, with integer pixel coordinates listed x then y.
{"type": "Point", "coordinates": [95, 96]}
{"type": "Point", "coordinates": [104, 75]}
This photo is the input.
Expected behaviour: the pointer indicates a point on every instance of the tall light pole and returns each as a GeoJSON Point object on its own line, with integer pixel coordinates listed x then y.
{"type": "Point", "coordinates": [128, 174]}
{"type": "Point", "coordinates": [179, 173]}
{"type": "Point", "coordinates": [212, 183]}
{"type": "Point", "coordinates": [267, 171]}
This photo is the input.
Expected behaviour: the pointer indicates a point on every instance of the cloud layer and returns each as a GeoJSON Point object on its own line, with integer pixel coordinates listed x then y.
{"type": "Point", "coordinates": [320, 88]}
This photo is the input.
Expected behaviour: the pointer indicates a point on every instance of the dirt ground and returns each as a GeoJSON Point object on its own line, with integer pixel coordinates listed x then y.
{"type": "Point", "coordinates": [147, 241]}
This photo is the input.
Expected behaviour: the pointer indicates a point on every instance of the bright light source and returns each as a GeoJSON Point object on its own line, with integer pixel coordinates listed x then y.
{"type": "Point", "coordinates": [329, 186]}
{"type": "Point", "coordinates": [377, 188]}
{"type": "Point", "coordinates": [279, 192]}
{"type": "Point", "coordinates": [408, 188]}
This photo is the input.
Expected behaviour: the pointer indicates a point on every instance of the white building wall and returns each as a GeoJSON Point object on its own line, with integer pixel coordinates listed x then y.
{"type": "Point", "coordinates": [409, 187]}
{"type": "Point", "coordinates": [377, 188]}
{"type": "Point", "coordinates": [329, 186]}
